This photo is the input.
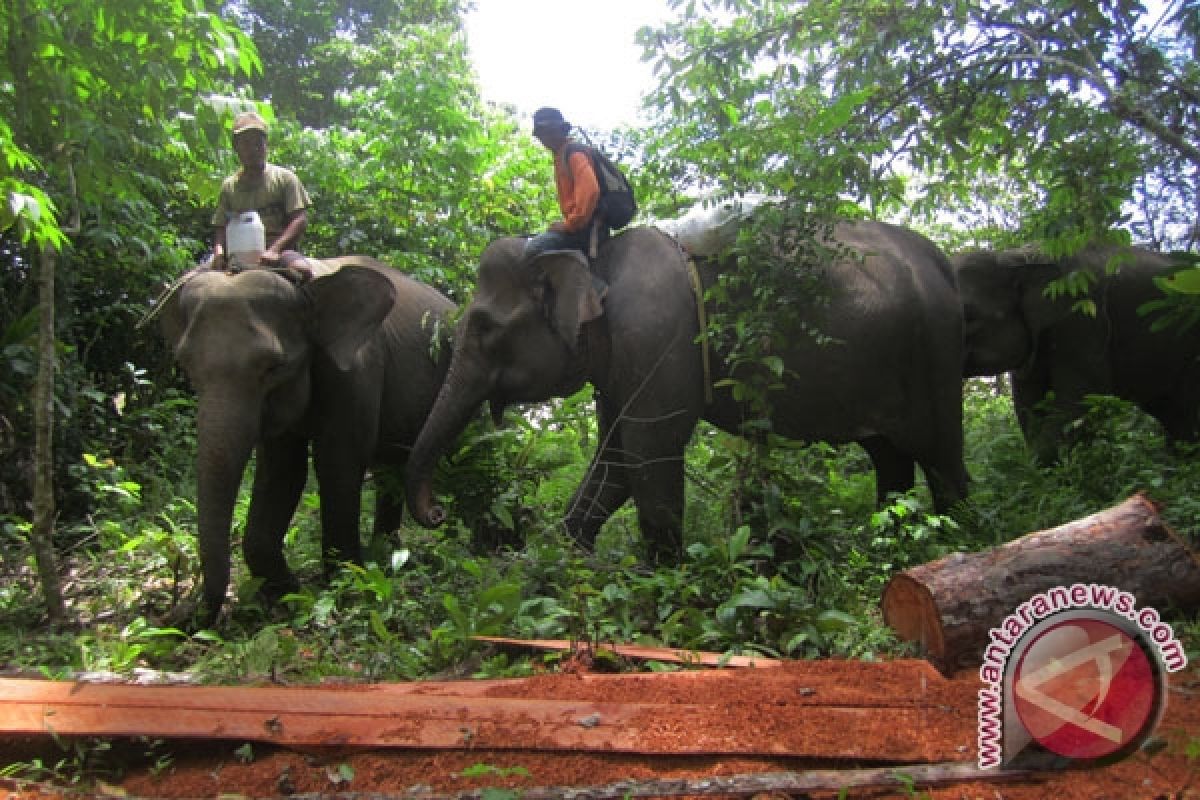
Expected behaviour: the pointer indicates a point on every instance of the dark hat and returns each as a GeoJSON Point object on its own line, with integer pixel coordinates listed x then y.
{"type": "Point", "coordinates": [248, 121]}
{"type": "Point", "coordinates": [548, 119]}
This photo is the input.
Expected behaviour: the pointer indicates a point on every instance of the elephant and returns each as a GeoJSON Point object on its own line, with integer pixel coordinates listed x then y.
{"type": "Point", "coordinates": [537, 329]}
{"type": "Point", "coordinates": [349, 362]}
{"type": "Point", "coordinates": [1057, 356]}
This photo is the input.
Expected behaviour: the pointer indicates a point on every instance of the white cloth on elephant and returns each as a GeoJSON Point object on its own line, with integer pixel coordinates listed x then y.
{"type": "Point", "coordinates": [708, 228]}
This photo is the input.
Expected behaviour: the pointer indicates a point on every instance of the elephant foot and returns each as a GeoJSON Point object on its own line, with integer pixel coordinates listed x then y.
{"type": "Point", "coordinates": [664, 551]}
{"type": "Point", "coordinates": [272, 592]}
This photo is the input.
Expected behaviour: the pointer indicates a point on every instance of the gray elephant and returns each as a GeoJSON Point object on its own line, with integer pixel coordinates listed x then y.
{"type": "Point", "coordinates": [346, 362]}
{"type": "Point", "coordinates": [1013, 326]}
{"type": "Point", "coordinates": [535, 330]}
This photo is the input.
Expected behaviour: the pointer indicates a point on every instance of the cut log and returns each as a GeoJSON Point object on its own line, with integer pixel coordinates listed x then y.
{"type": "Point", "coordinates": [949, 606]}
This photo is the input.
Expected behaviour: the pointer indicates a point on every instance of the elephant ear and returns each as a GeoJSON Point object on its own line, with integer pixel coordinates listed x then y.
{"type": "Point", "coordinates": [346, 308]}
{"type": "Point", "coordinates": [572, 300]}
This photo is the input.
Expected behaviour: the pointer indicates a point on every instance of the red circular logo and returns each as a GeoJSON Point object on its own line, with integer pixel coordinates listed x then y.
{"type": "Point", "coordinates": [1085, 689]}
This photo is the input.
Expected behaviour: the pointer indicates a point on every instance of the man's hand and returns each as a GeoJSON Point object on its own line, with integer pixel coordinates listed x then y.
{"type": "Point", "coordinates": [270, 257]}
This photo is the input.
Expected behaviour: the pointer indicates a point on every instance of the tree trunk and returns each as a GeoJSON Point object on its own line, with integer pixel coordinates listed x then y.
{"type": "Point", "coordinates": [42, 533]}
{"type": "Point", "coordinates": [950, 605]}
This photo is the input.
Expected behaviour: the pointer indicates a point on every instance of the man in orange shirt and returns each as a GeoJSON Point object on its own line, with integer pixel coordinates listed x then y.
{"type": "Point", "coordinates": [578, 189]}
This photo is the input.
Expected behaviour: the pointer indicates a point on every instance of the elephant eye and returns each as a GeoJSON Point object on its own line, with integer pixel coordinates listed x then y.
{"type": "Point", "coordinates": [271, 362]}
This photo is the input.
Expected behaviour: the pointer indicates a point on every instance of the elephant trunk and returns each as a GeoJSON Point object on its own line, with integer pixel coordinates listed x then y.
{"type": "Point", "coordinates": [461, 395]}
{"type": "Point", "coordinates": [225, 441]}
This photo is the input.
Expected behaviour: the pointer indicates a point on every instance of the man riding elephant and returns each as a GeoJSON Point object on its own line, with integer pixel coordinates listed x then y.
{"type": "Point", "coordinates": [577, 186]}
{"type": "Point", "coordinates": [274, 192]}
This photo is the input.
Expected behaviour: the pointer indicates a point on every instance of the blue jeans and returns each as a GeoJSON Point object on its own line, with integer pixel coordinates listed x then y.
{"type": "Point", "coordinates": [553, 240]}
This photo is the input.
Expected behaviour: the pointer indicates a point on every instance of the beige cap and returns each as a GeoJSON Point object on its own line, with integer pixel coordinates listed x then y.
{"type": "Point", "coordinates": [248, 121]}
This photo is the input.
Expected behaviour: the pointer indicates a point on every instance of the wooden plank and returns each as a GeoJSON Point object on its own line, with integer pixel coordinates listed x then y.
{"type": "Point", "coordinates": [637, 652]}
{"type": "Point", "coordinates": [371, 716]}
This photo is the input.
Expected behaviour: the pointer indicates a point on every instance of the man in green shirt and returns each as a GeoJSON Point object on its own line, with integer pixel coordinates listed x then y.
{"type": "Point", "coordinates": [273, 191]}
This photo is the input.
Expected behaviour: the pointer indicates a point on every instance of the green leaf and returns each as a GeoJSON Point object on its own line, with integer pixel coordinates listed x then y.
{"type": "Point", "coordinates": [378, 627]}
{"type": "Point", "coordinates": [753, 598]}
{"type": "Point", "coordinates": [1184, 282]}
{"type": "Point", "coordinates": [738, 543]}
{"type": "Point", "coordinates": [829, 621]}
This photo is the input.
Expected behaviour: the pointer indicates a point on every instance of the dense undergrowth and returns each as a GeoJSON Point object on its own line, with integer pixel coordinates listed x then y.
{"type": "Point", "coordinates": [786, 554]}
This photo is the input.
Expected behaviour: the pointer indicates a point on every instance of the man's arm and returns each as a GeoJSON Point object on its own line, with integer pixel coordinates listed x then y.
{"type": "Point", "coordinates": [295, 201]}
{"type": "Point", "coordinates": [296, 224]}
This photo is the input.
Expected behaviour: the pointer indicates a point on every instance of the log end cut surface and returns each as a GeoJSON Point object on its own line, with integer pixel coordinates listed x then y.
{"type": "Point", "coordinates": [909, 609]}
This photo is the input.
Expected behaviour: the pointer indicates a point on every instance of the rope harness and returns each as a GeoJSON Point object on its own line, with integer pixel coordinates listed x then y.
{"type": "Point", "coordinates": [702, 318]}
{"type": "Point", "coordinates": [234, 268]}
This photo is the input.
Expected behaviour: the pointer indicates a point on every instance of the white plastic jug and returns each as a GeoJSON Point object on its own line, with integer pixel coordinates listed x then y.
{"type": "Point", "coordinates": [245, 239]}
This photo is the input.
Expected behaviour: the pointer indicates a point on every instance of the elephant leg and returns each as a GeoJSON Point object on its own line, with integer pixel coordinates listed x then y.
{"type": "Point", "coordinates": [654, 458]}
{"type": "Point", "coordinates": [389, 503]}
{"type": "Point", "coordinates": [940, 452]}
{"type": "Point", "coordinates": [894, 472]}
{"type": "Point", "coordinates": [340, 481]}
{"type": "Point", "coordinates": [280, 473]}
{"type": "Point", "coordinates": [605, 487]}
{"type": "Point", "coordinates": [1033, 409]}
{"type": "Point", "coordinates": [1179, 410]}
{"type": "Point", "coordinates": [948, 481]}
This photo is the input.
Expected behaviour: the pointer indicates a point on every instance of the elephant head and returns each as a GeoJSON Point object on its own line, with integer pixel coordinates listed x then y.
{"type": "Point", "coordinates": [518, 342]}
{"type": "Point", "coordinates": [247, 343]}
{"type": "Point", "coordinates": [1005, 309]}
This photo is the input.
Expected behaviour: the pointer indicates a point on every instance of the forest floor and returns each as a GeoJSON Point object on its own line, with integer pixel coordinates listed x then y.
{"type": "Point", "coordinates": [841, 715]}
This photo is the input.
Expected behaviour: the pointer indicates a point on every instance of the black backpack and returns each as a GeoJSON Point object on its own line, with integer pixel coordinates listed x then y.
{"type": "Point", "coordinates": [617, 204]}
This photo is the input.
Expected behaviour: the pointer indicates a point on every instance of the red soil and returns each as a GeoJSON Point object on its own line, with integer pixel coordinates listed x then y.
{"type": "Point", "coordinates": [894, 713]}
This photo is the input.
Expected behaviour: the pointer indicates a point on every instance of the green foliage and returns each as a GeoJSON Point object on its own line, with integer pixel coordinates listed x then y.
{"type": "Point", "coordinates": [310, 50]}
{"type": "Point", "coordinates": [406, 149]}
{"type": "Point", "coordinates": [99, 88]}
{"type": "Point", "coordinates": [773, 294]}
{"type": "Point", "coordinates": [898, 108]}
{"type": "Point", "coordinates": [82, 760]}
{"type": "Point", "coordinates": [1179, 308]}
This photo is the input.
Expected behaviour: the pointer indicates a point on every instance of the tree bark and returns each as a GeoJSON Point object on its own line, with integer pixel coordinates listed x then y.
{"type": "Point", "coordinates": [950, 605]}
{"type": "Point", "coordinates": [44, 512]}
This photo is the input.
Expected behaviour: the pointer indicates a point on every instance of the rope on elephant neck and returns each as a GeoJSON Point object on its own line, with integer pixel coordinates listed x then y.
{"type": "Point", "coordinates": [157, 306]}
{"type": "Point", "coordinates": [702, 316]}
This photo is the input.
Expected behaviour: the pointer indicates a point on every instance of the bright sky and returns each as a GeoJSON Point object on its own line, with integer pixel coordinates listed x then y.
{"type": "Point", "coordinates": [576, 55]}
